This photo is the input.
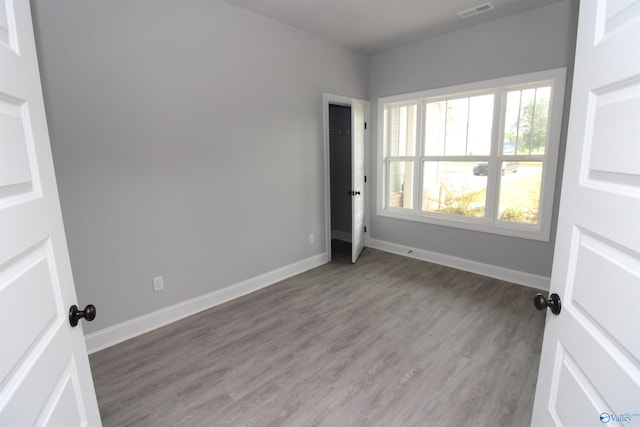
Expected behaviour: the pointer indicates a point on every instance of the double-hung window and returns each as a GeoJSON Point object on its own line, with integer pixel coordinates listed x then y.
{"type": "Point", "coordinates": [480, 156]}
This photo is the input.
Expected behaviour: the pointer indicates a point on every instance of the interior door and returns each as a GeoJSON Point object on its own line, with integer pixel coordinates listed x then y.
{"type": "Point", "coordinates": [44, 370]}
{"type": "Point", "coordinates": [590, 364]}
{"type": "Point", "coordinates": [357, 179]}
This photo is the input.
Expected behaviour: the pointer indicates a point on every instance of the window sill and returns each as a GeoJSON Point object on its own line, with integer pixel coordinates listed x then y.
{"type": "Point", "coordinates": [537, 232]}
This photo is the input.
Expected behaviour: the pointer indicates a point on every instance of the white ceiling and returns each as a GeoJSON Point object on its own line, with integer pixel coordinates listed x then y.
{"type": "Point", "coordinates": [371, 26]}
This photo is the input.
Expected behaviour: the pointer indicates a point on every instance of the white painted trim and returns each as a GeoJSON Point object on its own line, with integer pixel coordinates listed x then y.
{"type": "Point", "coordinates": [500, 273]}
{"type": "Point", "coordinates": [131, 328]}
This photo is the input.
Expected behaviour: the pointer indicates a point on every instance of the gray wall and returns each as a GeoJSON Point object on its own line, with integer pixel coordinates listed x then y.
{"type": "Point", "coordinates": [539, 39]}
{"type": "Point", "coordinates": [187, 141]}
{"type": "Point", "coordinates": [340, 160]}
{"type": "Point", "coordinates": [187, 138]}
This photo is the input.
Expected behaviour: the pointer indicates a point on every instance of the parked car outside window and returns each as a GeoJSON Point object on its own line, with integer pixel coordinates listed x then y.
{"type": "Point", "coordinates": [482, 168]}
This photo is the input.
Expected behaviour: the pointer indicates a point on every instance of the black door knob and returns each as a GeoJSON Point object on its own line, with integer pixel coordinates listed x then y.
{"type": "Point", "coordinates": [89, 313]}
{"type": "Point", "coordinates": [553, 303]}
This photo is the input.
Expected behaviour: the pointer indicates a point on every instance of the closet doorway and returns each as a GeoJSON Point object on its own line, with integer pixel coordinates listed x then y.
{"type": "Point", "coordinates": [344, 142]}
{"type": "Point", "coordinates": [340, 173]}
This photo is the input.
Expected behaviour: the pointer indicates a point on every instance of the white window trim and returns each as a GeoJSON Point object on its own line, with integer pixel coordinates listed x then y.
{"type": "Point", "coordinates": [540, 231]}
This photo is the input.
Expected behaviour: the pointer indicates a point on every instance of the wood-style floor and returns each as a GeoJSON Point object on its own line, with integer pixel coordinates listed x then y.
{"type": "Point", "coordinates": [390, 341]}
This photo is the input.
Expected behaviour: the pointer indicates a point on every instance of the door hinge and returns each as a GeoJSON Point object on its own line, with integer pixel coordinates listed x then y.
{"type": "Point", "coordinates": [365, 178]}
{"type": "Point", "coordinates": [365, 125]}
{"type": "Point", "coordinates": [365, 228]}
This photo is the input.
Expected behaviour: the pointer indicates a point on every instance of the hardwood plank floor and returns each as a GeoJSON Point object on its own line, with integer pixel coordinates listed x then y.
{"type": "Point", "coordinates": [389, 341]}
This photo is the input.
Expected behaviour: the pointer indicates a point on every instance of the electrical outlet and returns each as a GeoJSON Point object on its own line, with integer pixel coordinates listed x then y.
{"type": "Point", "coordinates": [158, 283]}
{"type": "Point", "coordinates": [311, 239]}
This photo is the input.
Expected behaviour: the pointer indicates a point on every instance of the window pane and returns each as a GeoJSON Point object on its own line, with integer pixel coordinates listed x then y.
{"type": "Point", "coordinates": [459, 127]}
{"type": "Point", "coordinates": [456, 133]}
{"type": "Point", "coordinates": [526, 124]}
{"type": "Point", "coordinates": [400, 130]}
{"type": "Point", "coordinates": [520, 192]}
{"type": "Point", "coordinates": [400, 185]}
{"type": "Point", "coordinates": [452, 188]}
{"type": "Point", "coordinates": [435, 126]}
{"type": "Point", "coordinates": [527, 102]}
{"type": "Point", "coordinates": [512, 114]}
{"type": "Point", "coordinates": [480, 125]}
{"type": "Point", "coordinates": [540, 131]}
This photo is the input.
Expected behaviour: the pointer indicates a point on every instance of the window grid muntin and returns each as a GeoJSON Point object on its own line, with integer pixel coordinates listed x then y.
{"type": "Point", "coordinates": [388, 158]}
{"type": "Point", "coordinates": [538, 97]}
{"type": "Point", "coordinates": [457, 158]}
{"type": "Point", "coordinates": [495, 157]}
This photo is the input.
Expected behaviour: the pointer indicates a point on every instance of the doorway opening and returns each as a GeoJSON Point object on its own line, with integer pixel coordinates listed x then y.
{"type": "Point", "coordinates": [353, 188]}
{"type": "Point", "coordinates": [340, 181]}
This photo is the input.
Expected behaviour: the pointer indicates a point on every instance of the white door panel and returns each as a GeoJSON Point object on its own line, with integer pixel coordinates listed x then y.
{"type": "Point", "coordinates": [27, 279]}
{"type": "Point", "coordinates": [44, 369]}
{"type": "Point", "coordinates": [590, 364]}
{"type": "Point", "coordinates": [357, 179]}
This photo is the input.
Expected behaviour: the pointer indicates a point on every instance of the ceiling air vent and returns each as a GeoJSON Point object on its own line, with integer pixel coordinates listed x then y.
{"type": "Point", "coordinates": [481, 8]}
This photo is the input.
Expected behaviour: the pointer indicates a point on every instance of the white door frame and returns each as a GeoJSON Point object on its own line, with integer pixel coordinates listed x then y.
{"type": "Point", "coordinates": [331, 99]}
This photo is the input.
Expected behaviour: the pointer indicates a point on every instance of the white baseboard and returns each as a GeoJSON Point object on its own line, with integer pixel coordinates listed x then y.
{"type": "Point", "coordinates": [123, 331]}
{"type": "Point", "coordinates": [112, 335]}
{"type": "Point", "coordinates": [501, 273]}
{"type": "Point", "coordinates": [341, 235]}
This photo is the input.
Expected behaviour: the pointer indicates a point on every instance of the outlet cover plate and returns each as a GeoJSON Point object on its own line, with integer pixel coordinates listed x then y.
{"type": "Point", "coordinates": [158, 283]}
